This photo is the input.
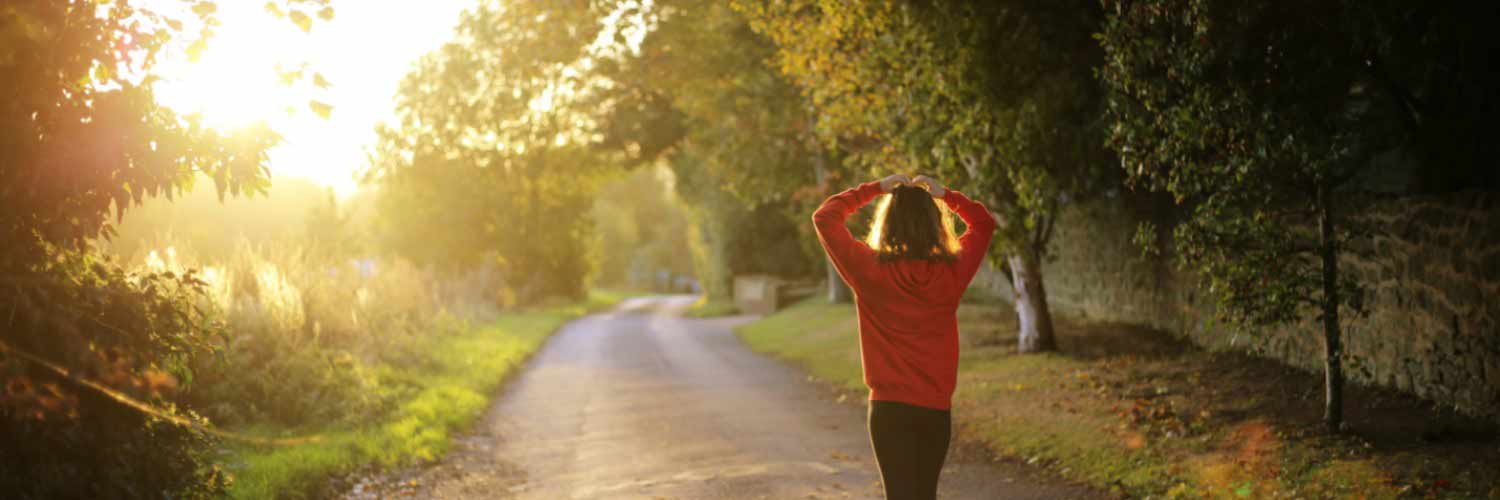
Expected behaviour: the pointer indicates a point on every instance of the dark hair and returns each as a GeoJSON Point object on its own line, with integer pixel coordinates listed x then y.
{"type": "Point", "coordinates": [909, 224]}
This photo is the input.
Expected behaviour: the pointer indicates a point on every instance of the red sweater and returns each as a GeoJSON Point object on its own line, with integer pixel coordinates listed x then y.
{"type": "Point", "coordinates": [908, 328]}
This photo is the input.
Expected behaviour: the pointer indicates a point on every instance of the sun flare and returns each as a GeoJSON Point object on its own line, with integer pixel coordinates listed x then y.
{"type": "Point", "coordinates": [237, 79]}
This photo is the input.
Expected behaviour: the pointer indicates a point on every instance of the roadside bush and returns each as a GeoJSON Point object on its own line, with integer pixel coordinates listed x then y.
{"type": "Point", "coordinates": [74, 318]}
{"type": "Point", "coordinates": [306, 333]}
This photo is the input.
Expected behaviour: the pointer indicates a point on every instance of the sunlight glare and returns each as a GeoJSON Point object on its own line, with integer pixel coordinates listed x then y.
{"type": "Point", "coordinates": [235, 83]}
{"type": "Point", "coordinates": [364, 52]}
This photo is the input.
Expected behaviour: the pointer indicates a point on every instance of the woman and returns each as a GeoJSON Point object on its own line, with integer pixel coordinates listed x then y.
{"type": "Point", "coordinates": [907, 279]}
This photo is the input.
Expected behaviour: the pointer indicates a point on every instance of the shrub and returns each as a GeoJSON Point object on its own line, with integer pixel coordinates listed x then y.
{"type": "Point", "coordinates": [82, 319]}
{"type": "Point", "coordinates": [305, 333]}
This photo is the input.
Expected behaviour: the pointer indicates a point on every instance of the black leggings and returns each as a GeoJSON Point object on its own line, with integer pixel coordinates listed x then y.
{"type": "Point", "coordinates": [911, 443]}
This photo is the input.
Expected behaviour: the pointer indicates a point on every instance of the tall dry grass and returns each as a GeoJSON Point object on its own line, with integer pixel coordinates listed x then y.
{"type": "Point", "coordinates": [305, 333]}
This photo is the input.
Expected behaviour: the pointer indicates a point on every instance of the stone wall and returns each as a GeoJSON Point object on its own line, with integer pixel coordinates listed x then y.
{"type": "Point", "coordinates": [1432, 272]}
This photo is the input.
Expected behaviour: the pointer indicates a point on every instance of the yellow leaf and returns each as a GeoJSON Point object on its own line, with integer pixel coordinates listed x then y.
{"type": "Point", "coordinates": [323, 109]}
{"type": "Point", "coordinates": [205, 8]}
{"type": "Point", "coordinates": [301, 20]}
{"type": "Point", "coordinates": [195, 50]}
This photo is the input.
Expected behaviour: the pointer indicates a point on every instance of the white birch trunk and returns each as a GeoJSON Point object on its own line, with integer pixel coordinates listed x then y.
{"type": "Point", "coordinates": [1034, 320]}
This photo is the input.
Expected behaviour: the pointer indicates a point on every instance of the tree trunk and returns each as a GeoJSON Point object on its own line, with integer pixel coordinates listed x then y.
{"type": "Point", "coordinates": [1035, 320]}
{"type": "Point", "coordinates": [1333, 368]}
{"type": "Point", "coordinates": [838, 291]}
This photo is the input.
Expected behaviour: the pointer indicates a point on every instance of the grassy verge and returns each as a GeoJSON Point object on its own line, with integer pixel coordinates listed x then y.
{"type": "Point", "coordinates": [1139, 413]}
{"type": "Point", "coordinates": [705, 308]}
{"type": "Point", "coordinates": [452, 387]}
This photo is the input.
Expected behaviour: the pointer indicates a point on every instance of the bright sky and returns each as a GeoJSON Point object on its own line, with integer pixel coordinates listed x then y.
{"type": "Point", "coordinates": [364, 53]}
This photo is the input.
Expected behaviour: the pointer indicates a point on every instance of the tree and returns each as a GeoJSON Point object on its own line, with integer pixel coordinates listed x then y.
{"type": "Point", "coordinates": [679, 80]}
{"type": "Point", "coordinates": [82, 139]}
{"type": "Point", "coordinates": [696, 93]}
{"type": "Point", "coordinates": [490, 163]}
{"type": "Point", "coordinates": [995, 97]}
{"type": "Point", "coordinates": [735, 238]}
{"type": "Point", "coordinates": [1260, 119]}
{"type": "Point", "coordinates": [642, 228]}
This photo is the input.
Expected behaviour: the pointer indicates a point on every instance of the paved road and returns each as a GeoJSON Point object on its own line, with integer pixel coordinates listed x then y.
{"type": "Point", "coordinates": [642, 403]}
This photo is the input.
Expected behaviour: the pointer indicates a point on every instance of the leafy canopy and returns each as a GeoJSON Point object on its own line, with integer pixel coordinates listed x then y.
{"type": "Point", "coordinates": [1256, 117]}
{"type": "Point", "coordinates": [491, 162]}
{"type": "Point", "coordinates": [993, 97]}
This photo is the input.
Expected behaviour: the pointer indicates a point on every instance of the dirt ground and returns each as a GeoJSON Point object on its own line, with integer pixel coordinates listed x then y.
{"type": "Point", "coordinates": [1266, 414]}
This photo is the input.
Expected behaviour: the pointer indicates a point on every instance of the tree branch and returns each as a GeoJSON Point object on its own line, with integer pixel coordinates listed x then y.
{"type": "Point", "coordinates": [1049, 223]}
{"type": "Point", "coordinates": [1408, 104]}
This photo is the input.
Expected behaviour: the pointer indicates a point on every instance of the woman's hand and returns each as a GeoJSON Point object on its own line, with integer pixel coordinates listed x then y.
{"type": "Point", "coordinates": [933, 186]}
{"type": "Point", "coordinates": [891, 182]}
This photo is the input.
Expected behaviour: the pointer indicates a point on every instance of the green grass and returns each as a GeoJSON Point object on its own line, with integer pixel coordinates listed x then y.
{"type": "Point", "coordinates": [453, 386]}
{"type": "Point", "coordinates": [705, 308]}
{"type": "Point", "coordinates": [819, 337]}
{"type": "Point", "coordinates": [1114, 411]}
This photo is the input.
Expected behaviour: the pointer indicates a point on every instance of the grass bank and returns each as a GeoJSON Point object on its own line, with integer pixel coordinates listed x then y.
{"type": "Point", "coordinates": [1139, 413]}
{"type": "Point", "coordinates": [447, 390]}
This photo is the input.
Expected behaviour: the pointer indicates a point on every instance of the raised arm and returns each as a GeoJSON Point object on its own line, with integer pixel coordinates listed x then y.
{"type": "Point", "coordinates": [851, 257]}
{"type": "Point", "coordinates": [975, 242]}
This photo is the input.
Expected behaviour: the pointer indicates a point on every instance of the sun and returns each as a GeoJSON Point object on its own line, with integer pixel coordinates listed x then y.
{"type": "Point", "coordinates": [236, 80]}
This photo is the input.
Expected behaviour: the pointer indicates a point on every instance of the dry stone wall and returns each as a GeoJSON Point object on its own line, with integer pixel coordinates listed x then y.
{"type": "Point", "coordinates": [1432, 322]}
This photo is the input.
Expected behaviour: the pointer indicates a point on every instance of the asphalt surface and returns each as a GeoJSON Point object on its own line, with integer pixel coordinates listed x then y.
{"type": "Point", "coordinates": [640, 403]}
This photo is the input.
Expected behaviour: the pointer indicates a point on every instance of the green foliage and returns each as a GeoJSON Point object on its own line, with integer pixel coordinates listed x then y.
{"type": "Point", "coordinates": [305, 316]}
{"type": "Point", "coordinates": [304, 332]}
{"type": "Point", "coordinates": [349, 361]}
{"type": "Point", "coordinates": [1257, 145]}
{"type": "Point", "coordinates": [83, 139]}
{"type": "Point", "coordinates": [642, 227]}
{"type": "Point", "coordinates": [82, 103]}
{"type": "Point", "coordinates": [1263, 119]}
{"type": "Point", "coordinates": [489, 164]}
{"type": "Point", "coordinates": [1254, 118]}
{"type": "Point", "coordinates": [737, 135]}
{"type": "Point", "coordinates": [745, 124]}
{"type": "Point", "coordinates": [993, 97]}
{"type": "Point", "coordinates": [132, 331]}
{"type": "Point", "coordinates": [730, 238]}
{"type": "Point", "coordinates": [693, 91]}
